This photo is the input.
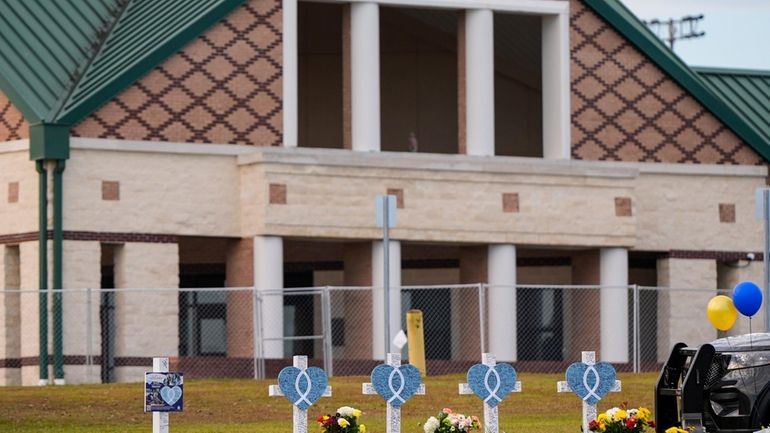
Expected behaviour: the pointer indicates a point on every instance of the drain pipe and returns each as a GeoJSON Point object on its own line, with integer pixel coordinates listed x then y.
{"type": "Point", "coordinates": [58, 356]}
{"type": "Point", "coordinates": [43, 269]}
{"type": "Point", "coordinates": [50, 142]}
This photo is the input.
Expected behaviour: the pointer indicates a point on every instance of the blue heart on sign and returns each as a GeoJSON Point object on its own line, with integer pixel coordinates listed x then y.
{"type": "Point", "coordinates": [492, 384]}
{"type": "Point", "coordinates": [171, 395]}
{"type": "Point", "coordinates": [396, 384]}
{"type": "Point", "coordinates": [302, 388]}
{"type": "Point", "coordinates": [591, 382]}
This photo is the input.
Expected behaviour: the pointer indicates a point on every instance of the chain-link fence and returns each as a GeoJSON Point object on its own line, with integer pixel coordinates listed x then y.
{"type": "Point", "coordinates": [111, 335]}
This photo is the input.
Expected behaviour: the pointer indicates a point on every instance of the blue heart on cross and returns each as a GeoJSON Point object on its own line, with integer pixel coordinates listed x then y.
{"type": "Point", "coordinates": [171, 395]}
{"type": "Point", "coordinates": [492, 383]}
{"type": "Point", "coordinates": [591, 382]}
{"type": "Point", "coordinates": [396, 384]}
{"type": "Point", "coordinates": [302, 387]}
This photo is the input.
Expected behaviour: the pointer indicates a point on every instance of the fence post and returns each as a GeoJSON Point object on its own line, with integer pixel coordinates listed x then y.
{"type": "Point", "coordinates": [326, 317]}
{"type": "Point", "coordinates": [89, 337]}
{"type": "Point", "coordinates": [256, 335]}
{"type": "Point", "coordinates": [636, 343]}
{"type": "Point", "coordinates": [482, 315]}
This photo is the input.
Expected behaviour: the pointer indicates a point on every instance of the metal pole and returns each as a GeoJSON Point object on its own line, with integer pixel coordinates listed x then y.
{"type": "Point", "coordinates": [43, 271]}
{"type": "Point", "coordinates": [636, 327]}
{"type": "Point", "coordinates": [386, 267]}
{"type": "Point", "coordinates": [766, 256]}
{"type": "Point", "coordinates": [326, 314]}
{"type": "Point", "coordinates": [482, 312]}
{"type": "Point", "coordinates": [255, 337]}
{"type": "Point", "coordinates": [89, 336]}
{"type": "Point", "coordinates": [58, 237]}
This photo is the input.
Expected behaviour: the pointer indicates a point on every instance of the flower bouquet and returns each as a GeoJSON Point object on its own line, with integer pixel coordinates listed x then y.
{"type": "Point", "coordinates": [448, 421]}
{"type": "Point", "coordinates": [622, 420]}
{"type": "Point", "coordinates": [345, 420]}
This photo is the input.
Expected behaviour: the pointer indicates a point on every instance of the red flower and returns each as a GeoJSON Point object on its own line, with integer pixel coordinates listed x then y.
{"type": "Point", "coordinates": [651, 423]}
{"type": "Point", "coordinates": [593, 425]}
{"type": "Point", "coordinates": [631, 423]}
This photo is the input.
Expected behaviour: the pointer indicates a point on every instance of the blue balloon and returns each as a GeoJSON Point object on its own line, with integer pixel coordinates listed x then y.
{"type": "Point", "coordinates": [747, 298]}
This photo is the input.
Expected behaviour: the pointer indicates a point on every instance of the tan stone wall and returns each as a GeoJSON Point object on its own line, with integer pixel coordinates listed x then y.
{"type": "Point", "coordinates": [10, 309]}
{"type": "Point", "coordinates": [146, 322]}
{"type": "Point", "coordinates": [728, 276]}
{"type": "Point", "coordinates": [29, 325]}
{"type": "Point", "coordinates": [335, 200]}
{"type": "Point", "coordinates": [682, 212]}
{"type": "Point", "coordinates": [682, 313]}
{"type": "Point", "coordinates": [12, 123]}
{"type": "Point", "coordinates": [224, 87]}
{"type": "Point", "coordinates": [159, 193]}
{"type": "Point", "coordinates": [20, 216]}
{"type": "Point", "coordinates": [625, 108]}
{"type": "Point", "coordinates": [82, 269]}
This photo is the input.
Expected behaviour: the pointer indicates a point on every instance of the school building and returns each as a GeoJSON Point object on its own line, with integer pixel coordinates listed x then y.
{"type": "Point", "coordinates": [212, 143]}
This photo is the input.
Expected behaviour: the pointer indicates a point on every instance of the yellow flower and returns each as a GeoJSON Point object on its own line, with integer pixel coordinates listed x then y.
{"type": "Point", "coordinates": [602, 426]}
{"type": "Point", "coordinates": [602, 417]}
{"type": "Point", "coordinates": [675, 430]}
{"type": "Point", "coordinates": [361, 428]}
{"type": "Point", "coordinates": [620, 415]}
{"type": "Point", "coordinates": [356, 413]}
{"type": "Point", "coordinates": [343, 422]}
{"type": "Point", "coordinates": [643, 414]}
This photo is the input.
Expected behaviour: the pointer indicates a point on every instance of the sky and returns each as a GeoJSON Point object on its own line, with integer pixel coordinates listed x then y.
{"type": "Point", "coordinates": [737, 31]}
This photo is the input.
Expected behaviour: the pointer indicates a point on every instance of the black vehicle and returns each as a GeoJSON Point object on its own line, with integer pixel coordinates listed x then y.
{"type": "Point", "coordinates": [722, 386]}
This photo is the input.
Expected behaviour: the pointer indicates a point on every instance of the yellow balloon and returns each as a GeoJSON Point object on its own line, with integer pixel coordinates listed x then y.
{"type": "Point", "coordinates": [721, 312]}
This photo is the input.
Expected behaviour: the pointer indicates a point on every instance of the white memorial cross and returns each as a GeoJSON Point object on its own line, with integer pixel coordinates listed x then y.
{"type": "Point", "coordinates": [393, 413]}
{"type": "Point", "coordinates": [490, 413]}
{"type": "Point", "coordinates": [300, 416]}
{"type": "Point", "coordinates": [589, 410]}
{"type": "Point", "coordinates": [160, 419]}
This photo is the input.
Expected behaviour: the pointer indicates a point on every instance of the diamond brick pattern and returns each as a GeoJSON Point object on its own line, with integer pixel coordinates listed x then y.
{"type": "Point", "coordinates": [624, 108]}
{"type": "Point", "coordinates": [224, 87]}
{"type": "Point", "coordinates": [12, 123]}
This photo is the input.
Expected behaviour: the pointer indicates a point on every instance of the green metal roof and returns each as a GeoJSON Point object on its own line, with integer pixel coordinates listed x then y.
{"type": "Point", "coordinates": [43, 45]}
{"type": "Point", "coordinates": [628, 25]}
{"type": "Point", "coordinates": [60, 60]}
{"type": "Point", "coordinates": [746, 91]}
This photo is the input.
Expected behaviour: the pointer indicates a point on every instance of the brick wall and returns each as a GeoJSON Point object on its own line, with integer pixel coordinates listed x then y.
{"type": "Point", "coordinates": [224, 87]}
{"type": "Point", "coordinates": [12, 123]}
{"type": "Point", "coordinates": [624, 108]}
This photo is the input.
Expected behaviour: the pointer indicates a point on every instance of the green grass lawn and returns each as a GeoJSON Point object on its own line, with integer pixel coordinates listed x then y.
{"type": "Point", "coordinates": [243, 406]}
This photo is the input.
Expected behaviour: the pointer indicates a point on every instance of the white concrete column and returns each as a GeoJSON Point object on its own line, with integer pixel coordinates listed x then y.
{"type": "Point", "coordinates": [378, 298]}
{"type": "Point", "coordinates": [480, 82]}
{"type": "Point", "coordinates": [290, 74]}
{"type": "Point", "coordinates": [501, 302]}
{"type": "Point", "coordinates": [613, 305]}
{"type": "Point", "coordinates": [268, 275]}
{"type": "Point", "coordinates": [146, 321]}
{"type": "Point", "coordinates": [365, 76]}
{"type": "Point", "coordinates": [556, 86]}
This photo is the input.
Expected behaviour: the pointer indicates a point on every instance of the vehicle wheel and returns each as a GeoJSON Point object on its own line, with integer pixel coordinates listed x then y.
{"type": "Point", "coordinates": [761, 412]}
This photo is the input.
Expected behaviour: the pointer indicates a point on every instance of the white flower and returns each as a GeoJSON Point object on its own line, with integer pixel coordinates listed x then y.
{"type": "Point", "coordinates": [632, 412]}
{"type": "Point", "coordinates": [345, 411]}
{"type": "Point", "coordinates": [431, 425]}
{"type": "Point", "coordinates": [611, 412]}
